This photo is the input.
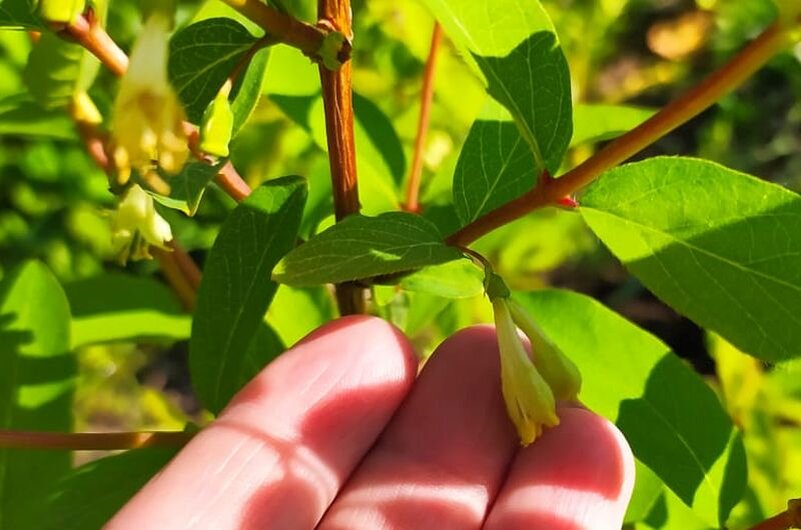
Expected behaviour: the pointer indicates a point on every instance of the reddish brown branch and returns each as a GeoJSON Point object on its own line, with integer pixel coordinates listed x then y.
{"type": "Point", "coordinates": [87, 32]}
{"type": "Point", "coordinates": [338, 103]}
{"type": "Point", "coordinates": [790, 518]}
{"type": "Point", "coordinates": [427, 97]}
{"type": "Point", "coordinates": [91, 441]}
{"type": "Point", "coordinates": [687, 106]}
{"type": "Point", "coordinates": [282, 27]}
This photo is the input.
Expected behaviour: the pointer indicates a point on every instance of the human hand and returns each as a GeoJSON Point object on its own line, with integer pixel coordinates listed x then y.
{"type": "Point", "coordinates": [340, 433]}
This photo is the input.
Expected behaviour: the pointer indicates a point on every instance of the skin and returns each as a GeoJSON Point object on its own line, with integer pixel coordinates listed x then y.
{"type": "Point", "coordinates": [340, 433]}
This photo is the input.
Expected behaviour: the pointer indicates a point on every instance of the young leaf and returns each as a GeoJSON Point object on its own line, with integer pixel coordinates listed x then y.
{"type": "Point", "coordinates": [203, 55]}
{"type": "Point", "coordinates": [673, 421]}
{"type": "Point", "coordinates": [117, 307]}
{"type": "Point", "coordinates": [91, 494]}
{"type": "Point", "coordinates": [495, 166]}
{"type": "Point", "coordinates": [594, 123]}
{"type": "Point", "coordinates": [363, 247]}
{"type": "Point", "coordinates": [36, 382]}
{"type": "Point", "coordinates": [518, 54]}
{"type": "Point", "coordinates": [236, 289]}
{"type": "Point", "coordinates": [18, 14]}
{"type": "Point", "coordinates": [719, 246]}
{"type": "Point", "coordinates": [247, 90]}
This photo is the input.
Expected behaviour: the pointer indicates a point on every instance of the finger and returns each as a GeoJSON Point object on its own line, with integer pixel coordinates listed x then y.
{"type": "Point", "coordinates": [443, 456]}
{"type": "Point", "coordinates": [578, 476]}
{"type": "Point", "coordinates": [281, 450]}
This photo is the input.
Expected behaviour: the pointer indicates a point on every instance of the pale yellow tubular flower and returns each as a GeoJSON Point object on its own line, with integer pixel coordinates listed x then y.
{"type": "Point", "coordinates": [561, 374]}
{"type": "Point", "coordinates": [529, 400]}
{"type": "Point", "coordinates": [136, 225]}
{"type": "Point", "coordinates": [147, 125]}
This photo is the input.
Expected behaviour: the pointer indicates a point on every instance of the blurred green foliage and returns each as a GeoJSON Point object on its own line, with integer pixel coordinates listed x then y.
{"type": "Point", "coordinates": [54, 201]}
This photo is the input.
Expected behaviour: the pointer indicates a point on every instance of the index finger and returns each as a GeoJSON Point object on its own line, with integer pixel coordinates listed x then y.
{"type": "Point", "coordinates": [278, 454]}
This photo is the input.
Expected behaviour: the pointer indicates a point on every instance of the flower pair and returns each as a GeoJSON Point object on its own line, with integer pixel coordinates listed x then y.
{"type": "Point", "coordinates": [147, 132]}
{"type": "Point", "coordinates": [531, 387]}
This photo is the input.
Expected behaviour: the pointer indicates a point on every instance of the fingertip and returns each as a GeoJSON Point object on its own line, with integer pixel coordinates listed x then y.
{"type": "Point", "coordinates": [277, 455]}
{"type": "Point", "coordinates": [578, 476]}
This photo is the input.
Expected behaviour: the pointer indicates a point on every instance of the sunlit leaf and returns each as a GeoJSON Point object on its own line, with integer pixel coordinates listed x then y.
{"type": "Point", "coordinates": [719, 246]}
{"type": "Point", "coordinates": [673, 421]}
{"type": "Point", "coordinates": [364, 247]}
{"type": "Point", "coordinates": [36, 383]}
{"type": "Point", "coordinates": [518, 53]}
{"type": "Point", "coordinates": [117, 307]}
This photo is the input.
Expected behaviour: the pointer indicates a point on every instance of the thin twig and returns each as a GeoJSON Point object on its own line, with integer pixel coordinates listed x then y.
{"type": "Point", "coordinates": [281, 26]}
{"type": "Point", "coordinates": [427, 97]}
{"type": "Point", "coordinates": [338, 104]}
{"type": "Point", "coordinates": [687, 106]}
{"type": "Point", "coordinates": [92, 441]}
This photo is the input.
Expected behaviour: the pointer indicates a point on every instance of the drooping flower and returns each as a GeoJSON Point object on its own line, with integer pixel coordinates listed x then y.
{"type": "Point", "coordinates": [559, 372]}
{"type": "Point", "coordinates": [136, 225]}
{"type": "Point", "coordinates": [147, 125]}
{"type": "Point", "coordinates": [529, 400]}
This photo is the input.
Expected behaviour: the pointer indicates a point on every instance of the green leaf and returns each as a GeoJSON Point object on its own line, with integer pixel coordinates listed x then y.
{"type": "Point", "coordinates": [296, 312]}
{"type": "Point", "coordinates": [515, 47]}
{"type": "Point", "coordinates": [36, 383]}
{"type": "Point", "coordinates": [380, 164]}
{"type": "Point", "coordinates": [91, 494]}
{"type": "Point", "coordinates": [121, 307]}
{"type": "Point", "coordinates": [290, 73]}
{"type": "Point", "coordinates": [594, 123]}
{"type": "Point", "coordinates": [364, 247]}
{"type": "Point", "coordinates": [719, 246]}
{"type": "Point", "coordinates": [495, 166]}
{"type": "Point", "coordinates": [454, 279]}
{"type": "Point", "coordinates": [247, 89]}
{"type": "Point", "coordinates": [19, 14]}
{"type": "Point", "coordinates": [20, 116]}
{"type": "Point", "coordinates": [647, 491]}
{"type": "Point", "coordinates": [56, 70]}
{"type": "Point", "coordinates": [203, 55]}
{"type": "Point", "coordinates": [188, 186]}
{"type": "Point", "coordinates": [377, 138]}
{"type": "Point", "coordinates": [673, 421]}
{"type": "Point", "coordinates": [236, 289]}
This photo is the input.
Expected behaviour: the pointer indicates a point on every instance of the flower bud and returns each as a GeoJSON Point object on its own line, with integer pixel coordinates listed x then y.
{"type": "Point", "coordinates": [529, 400]}
{"type": "Point", "coordinates": [559, 372]}
{"type": "Point", "coordinates": [218, 124]}
{"type": "Point", "coordinates": [136, 225]}
{"type": "Point", "coordinates": [147, 125]}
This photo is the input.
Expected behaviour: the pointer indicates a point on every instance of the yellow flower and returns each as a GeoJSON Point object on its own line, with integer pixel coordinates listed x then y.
{"type": "Point", "coordinates": [147, 125]}
{"type": "Point", "coordinates": [558, 371]}
{"type": "Point", "coordinates": [529, 400]}
{"type": "Point", "coordinates": [136, 225]}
